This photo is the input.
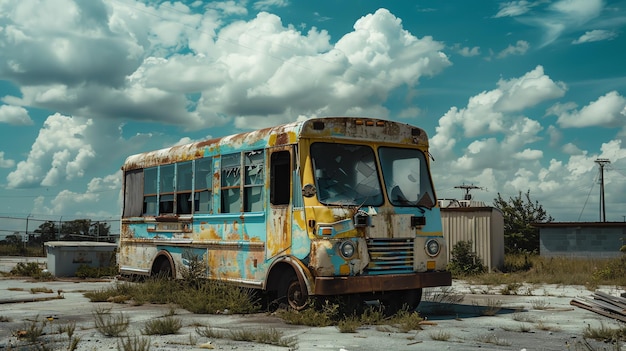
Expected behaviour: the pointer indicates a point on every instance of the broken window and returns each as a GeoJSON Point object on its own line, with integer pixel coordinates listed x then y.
{"type": "Point", "coordinates": [406, 177]}
{"type": "Point", "coordinates": [346, 174]}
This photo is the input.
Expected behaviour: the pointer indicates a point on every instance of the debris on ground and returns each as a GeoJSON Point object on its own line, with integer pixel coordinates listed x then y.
{"type": "Point", "coordinates": [603, 304]}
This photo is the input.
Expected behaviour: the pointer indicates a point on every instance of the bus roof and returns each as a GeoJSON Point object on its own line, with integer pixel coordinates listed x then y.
{"type": "Point", "coordinates": [328, 128]}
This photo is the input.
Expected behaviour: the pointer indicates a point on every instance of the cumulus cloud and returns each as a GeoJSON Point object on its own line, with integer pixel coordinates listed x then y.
{"type": "Point", "coordinates": [82, 203]}
{"type": "Point", "coordinates": [492, 144]}
{"type": "Point", "coordinates": [487, 112]}
{"type": "Point", "coordinates": [167, 64]}
{"type": "Point", "coordinates": [14, 115]}
{"type": "Point", "coordinates": [607, 111]}
{"type": "Point", "coordinates": [60, 152]}
{"type": "Point", "coordinates": [595, 35]}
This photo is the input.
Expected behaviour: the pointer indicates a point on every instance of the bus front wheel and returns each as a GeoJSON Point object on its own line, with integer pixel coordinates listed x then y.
{"type": "Point", "coordinates": [296, 295]}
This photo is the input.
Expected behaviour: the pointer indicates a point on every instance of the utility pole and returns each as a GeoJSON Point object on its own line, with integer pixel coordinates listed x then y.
{"type": "Point", "coordinates": [601, 163]}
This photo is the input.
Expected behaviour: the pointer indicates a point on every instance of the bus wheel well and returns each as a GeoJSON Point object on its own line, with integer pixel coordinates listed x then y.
{"type": "Point", "coordinates": [287, 285]}
{"type": "Point", "coordinates": [163, 265]}
{"type": "Point", "coordinates": [277, 279]}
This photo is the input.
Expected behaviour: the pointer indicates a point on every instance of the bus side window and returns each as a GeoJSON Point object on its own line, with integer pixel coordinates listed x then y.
{"type": "Point", "coordinates": [133, 193]}
{"type": "Point", "coordinates": [166, 189]}
{"type": "Point", "coordinates": [231, 180]}
{"type": "Point", "coordinates": [183, 187]}
{"type": "Point", "coordinates": [203, 181]}
{"type": "Point", "coordinates": [280, 175]}
{"type": "Point", "coordinates": [150, 191]}
{"type": "Point", "coordinates": [254, 181]}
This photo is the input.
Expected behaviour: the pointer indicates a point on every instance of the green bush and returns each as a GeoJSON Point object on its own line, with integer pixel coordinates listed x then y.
{"type": "Point", "coordinates": [464, 261]}
{"type": "Point", "coordinates": [30, 269]}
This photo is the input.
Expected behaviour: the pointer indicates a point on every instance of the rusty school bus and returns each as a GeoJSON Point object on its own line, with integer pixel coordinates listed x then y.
{"type": "Point", "coordinates": [321, 207]}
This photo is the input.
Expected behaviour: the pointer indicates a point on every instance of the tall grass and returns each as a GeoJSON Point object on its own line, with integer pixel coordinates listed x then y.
{"type": "Point", "coordinates": [557, 270]}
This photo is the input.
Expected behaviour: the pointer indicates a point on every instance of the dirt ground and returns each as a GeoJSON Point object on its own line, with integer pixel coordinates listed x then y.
{"type": "Point", "coordinates": [480, 318]}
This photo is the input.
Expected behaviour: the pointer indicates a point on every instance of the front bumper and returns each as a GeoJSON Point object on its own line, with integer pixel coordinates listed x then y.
{"type": "Point", "coordinates": [379, 283]}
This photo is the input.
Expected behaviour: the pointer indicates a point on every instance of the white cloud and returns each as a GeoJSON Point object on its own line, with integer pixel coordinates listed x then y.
{"type": "Point", "coordinates": [489, 143]}
{"type": "Point", "coordinates": [267, 4]}
{"type": "Point", "coordinates": [595, 35]}
{"type": "Point", "coordinates": [487, 112]}
{"type": "Point", "coordinates": [59, 153]}
{"type": "Point", "coordinates": [520, 48]}
{"type": "Point", "coordinates": [529, 90]}
{"type": "Point", "coordinates": [5, 163]}
{"type": "Point", "coordinates": [514, 8]}
{"type": "Point", "coordinates": [164, 63]}
{"type": "Point", "coordinates": [14, 115]}
{"type": "Point", "coordinates": [608, 111]}
{"type": "Point", "coordinates": [467, 51]}
{"type": "Point", "coordinates": [528, 155]}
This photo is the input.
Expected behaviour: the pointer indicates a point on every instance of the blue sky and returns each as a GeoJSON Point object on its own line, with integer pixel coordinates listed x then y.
{"type": "Point", "coordinates": [515, 95]}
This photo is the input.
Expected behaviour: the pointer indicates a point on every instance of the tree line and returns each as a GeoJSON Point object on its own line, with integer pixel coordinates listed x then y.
{"type": "Point", "coordinates": [76, 230]}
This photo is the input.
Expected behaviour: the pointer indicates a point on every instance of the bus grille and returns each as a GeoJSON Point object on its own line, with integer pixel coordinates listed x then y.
{"type": "Point", "coordinates": [390, 256]}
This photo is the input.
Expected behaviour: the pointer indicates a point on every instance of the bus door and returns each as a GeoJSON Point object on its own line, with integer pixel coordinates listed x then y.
{"type": "Point", "coordinates": [279, 220]}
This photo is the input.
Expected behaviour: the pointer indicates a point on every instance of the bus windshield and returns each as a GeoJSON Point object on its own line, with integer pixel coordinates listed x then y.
{"type": "Point", "coordinates": [406, 177]}
{"type": "Point", "coordinates": [346, 174]}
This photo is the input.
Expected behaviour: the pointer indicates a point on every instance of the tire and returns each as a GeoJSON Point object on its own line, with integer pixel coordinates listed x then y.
{"type": "Point", "coordinates": [296, 295]}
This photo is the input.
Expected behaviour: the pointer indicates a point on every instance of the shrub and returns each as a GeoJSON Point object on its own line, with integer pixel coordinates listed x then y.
{"type": "Point", "coordinates": [464, 261]}
{"type": "Point", "coordinates": [162, 326]}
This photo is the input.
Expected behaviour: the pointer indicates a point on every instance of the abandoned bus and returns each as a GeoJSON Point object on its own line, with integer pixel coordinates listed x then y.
{"type": "Point", "coordinates": [322, 207]}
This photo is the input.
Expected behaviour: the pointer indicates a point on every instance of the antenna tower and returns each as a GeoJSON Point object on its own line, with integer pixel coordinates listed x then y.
{"type": "Point", "coordinates": [601, 163]}
{"type": "Point", "coordinates": [467, 189]}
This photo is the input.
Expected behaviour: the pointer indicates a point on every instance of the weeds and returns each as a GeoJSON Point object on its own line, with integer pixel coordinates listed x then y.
{"type": "Point", "coordinates": [535, 269]}
{"type": "Point", "coordinates": [604, 333]}
{"type": "Point", "coordinates": [406, 321]}
{"type": "Point", "coordinates": [31, 269]}
{"type": "Point", "coordinates": [162, 326]}
{"type": "Point", "coordinates": [40, 290]}
{"type": "Point", "coordinates": [33, 331]}
{"type": "Point", "coordinates": [211, 333]}
{"type": "Point", "coordinates": [539, 304]}
{"type": "Point", "coordinates": [269, 336]}
{"type": "Point", "coordinates": [492, 339]}
{"type": "Point", "coordinates": [493, 307]}
{"type": "Point", "coordinates": [511, 289]}
{"type": "Point", "coordinates": [349, 324]}
{"type": "Point", "coordinates": [108, 324]}
{"type": "Point", "coordinates": [440, 335]}
{"type": "Point", "coordinates": [134, 343]}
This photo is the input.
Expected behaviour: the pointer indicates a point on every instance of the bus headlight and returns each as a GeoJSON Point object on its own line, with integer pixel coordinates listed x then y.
{"type": "Point", "coordinates": [432, 247]}
{"type": "Point", "coordinates": [347, 249]}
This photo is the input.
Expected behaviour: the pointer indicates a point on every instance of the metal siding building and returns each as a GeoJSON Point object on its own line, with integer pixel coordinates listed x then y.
{"type": "Point", "coordinates": [483, 226]}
